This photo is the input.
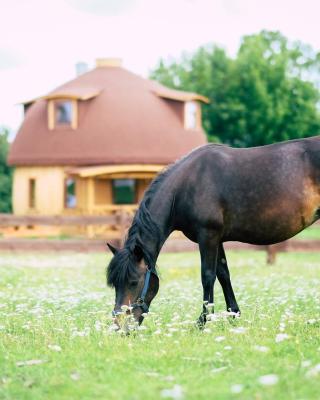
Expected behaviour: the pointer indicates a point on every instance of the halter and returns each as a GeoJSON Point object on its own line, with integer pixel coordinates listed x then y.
{"type": "Point", "coordinates": [140, 302]}
{"type": "Point", "coordinates": [141, 299]}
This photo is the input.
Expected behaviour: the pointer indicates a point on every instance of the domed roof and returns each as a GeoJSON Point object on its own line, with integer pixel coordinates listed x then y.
{"type": "Point", "coordinates": [122, 119]}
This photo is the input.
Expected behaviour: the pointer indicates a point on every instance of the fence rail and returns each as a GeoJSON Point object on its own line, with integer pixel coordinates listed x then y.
{"type": "Point", "coordinates": [59, 220]}
{"type": "Point", "coordinates": [119, 223]}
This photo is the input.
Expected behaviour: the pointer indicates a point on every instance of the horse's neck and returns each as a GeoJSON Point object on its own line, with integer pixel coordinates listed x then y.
{"type": "Point", "coordinates": [154, 236]}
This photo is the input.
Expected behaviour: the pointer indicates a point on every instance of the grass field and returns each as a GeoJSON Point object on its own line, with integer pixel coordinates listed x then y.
{"type": "Point", "coordinates": [55, 341]}
{"type": "Point", "coordinates": [311, 233]}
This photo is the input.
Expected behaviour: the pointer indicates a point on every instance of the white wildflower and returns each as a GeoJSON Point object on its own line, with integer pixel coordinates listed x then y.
{"type": "Point", "coordinates": [268, 380]}
{"type": "Point", "coordinates": [174, 393]}
{"type": "Point", "coordinates": [280, 337]}
{"type": "Point", "coordinates": [152, 374]}
{"type": "Point", "coordinates": [75, 376]}
{"type": "Point", "coordinates": [240, 329]}
{"type": "Point", "coordinates": [98, 326]}
{"type": "Point", "coordinates": [305, 363]}
{"type": "Point", "coordinates": [262, 349]}
{"type": "Point", "coordinates": [313, 372]}
{"type": "Point", "coordinates": [220, 339]}
{"type": "Point", "coordinates": [113, 328]}
{"type": "Point", "coordinates": [215, 370]}
{"type": "Point", "coordinates": [282, 327]}
{"type": "Point", "coordinates": [54, 347]}
{"type": "Point", "coordinates": [237, 388]}
{"type": "Point", "coordinates": [29, 362]}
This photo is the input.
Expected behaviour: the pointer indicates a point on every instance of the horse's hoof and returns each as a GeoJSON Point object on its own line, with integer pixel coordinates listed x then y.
{"type": "Point", "coordinates": [234, 313]}
{"type": "Point", "coordinates": [201, 321]}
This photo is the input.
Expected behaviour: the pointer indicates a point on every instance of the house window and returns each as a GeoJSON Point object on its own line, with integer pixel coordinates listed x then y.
{"type": "Point", "coordinates": [191, 115]}
{"type": "Point", "coordinates": [70, 200]}
{"type": "Point", "coordinates": [32, 193]}
{"type": "Point", "coordinates": [63, 112]}
{"type": "Point", "coordinates": [124, 191]}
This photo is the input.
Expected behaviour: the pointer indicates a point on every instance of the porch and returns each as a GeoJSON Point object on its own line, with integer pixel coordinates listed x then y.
{"type": "Point", "coordinates": [107, 190]}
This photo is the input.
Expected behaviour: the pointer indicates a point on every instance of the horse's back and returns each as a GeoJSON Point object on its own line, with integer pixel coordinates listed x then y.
{"type": "Point", "coordinates": [260, 195]}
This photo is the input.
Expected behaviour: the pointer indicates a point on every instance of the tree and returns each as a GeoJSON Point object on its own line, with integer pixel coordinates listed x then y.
{"type": "Point", "coordinates": [5, 173]}
{"type": "Point", "coordinates": [267, 93]}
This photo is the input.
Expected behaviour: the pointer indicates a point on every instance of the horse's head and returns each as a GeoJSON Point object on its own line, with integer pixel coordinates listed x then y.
{"type": "Point", "coordinates": [136, 284]}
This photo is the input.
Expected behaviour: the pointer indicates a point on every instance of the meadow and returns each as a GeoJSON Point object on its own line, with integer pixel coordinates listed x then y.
{"type": "Point", "coordinates": [57, 342]}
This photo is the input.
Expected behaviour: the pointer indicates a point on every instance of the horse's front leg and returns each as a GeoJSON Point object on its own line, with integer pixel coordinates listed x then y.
{"type": "Point", "coordinates": [208, 246]}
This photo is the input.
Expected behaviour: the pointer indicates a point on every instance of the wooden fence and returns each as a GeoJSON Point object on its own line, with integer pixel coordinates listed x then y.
{"type": "Point", "coordinates": [25, 233]}
{"type": "Point", "coordinates": [37, 232]}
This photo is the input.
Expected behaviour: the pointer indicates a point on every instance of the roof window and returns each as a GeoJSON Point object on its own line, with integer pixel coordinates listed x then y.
{"type": "Point", "coordinates": [191, 115]}
{"type": "Point", "coordinates": [62, 113]}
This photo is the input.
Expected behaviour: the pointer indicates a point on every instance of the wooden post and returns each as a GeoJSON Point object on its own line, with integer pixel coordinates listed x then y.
{"type": "Point", "coordinates": [274, 249]}
{"type": "Point", "coordinates": [90, 205]}
{"type": "Point", "coordinates": [271, 254]}
{"type": "Point", "coordinates": [122, 224]}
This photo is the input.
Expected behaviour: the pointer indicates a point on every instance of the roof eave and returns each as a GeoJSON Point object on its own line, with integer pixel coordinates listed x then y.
{"type": "Point", "coordinates": [64, 96]}
{"type": "Point", "coordinates": [182, 96]}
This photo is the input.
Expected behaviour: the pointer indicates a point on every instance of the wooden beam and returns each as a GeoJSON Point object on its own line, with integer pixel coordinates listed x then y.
{"type": "Point", "coordinates": [29, 220]}
{"type": "Point", "coordinates": [51, 115]}
{"type": "Point", "coordinates": [86, 172]}
{"type": "Point", "coordinates": [74, 120]}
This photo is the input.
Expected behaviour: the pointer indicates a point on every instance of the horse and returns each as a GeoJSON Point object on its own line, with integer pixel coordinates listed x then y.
{"type": "Point", "coordinates": [215, 194]}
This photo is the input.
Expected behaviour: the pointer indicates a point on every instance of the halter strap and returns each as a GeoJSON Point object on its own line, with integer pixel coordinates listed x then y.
{"type": "Point", "coordinates": [141, 299]}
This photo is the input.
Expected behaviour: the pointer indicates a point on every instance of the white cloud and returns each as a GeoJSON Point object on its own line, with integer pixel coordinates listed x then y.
{"type": "Point", "coordinates": [103, 7]}
{"type": "Point", "coordinates": [8, 59]}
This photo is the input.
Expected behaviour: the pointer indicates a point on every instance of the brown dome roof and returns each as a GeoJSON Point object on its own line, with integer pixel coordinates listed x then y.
{"type": "Point", "coordinates": [122, 119]}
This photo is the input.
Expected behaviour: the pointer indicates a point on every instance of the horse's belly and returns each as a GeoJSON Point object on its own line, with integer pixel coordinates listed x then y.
{"type": "Point", "coordinates": [272, 219]}
{"type": "Point", "coordinates": [269, 228]}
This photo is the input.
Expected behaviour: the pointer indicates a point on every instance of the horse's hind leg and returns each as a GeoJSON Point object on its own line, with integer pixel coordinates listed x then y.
{"type": "Point", "coordinates": [209, 245]}
{"type": "Point", "coordinates": [223, 276]}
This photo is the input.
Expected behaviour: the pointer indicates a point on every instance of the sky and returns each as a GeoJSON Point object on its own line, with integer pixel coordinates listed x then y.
{"type": "Point", "coordinates": [42, 40]}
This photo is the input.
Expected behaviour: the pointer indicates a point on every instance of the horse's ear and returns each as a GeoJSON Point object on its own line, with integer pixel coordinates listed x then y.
{"type": "Point", "coordinates": [138, 252]}
{"type": "Point", "coordinates": [113, 250]}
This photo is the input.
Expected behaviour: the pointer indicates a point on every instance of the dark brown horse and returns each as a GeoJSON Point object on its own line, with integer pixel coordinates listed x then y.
{"type": "Point", "coordinates": [215, 194]}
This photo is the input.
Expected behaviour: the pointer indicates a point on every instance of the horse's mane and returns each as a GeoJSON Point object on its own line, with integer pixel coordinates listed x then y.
{"type": "Point", "coordinates": [123, 265]}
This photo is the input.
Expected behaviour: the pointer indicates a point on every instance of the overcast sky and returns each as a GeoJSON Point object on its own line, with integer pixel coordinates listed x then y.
{"type": "Point", "coordinates": [41, 40]}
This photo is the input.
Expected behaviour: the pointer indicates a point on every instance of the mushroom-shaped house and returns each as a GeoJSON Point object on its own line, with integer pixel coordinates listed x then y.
{"type": "Point", "coordinates": [95, 143]}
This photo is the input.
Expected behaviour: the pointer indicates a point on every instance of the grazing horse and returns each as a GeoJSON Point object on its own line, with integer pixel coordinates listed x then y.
{"type": "Point", "coordinates": [261, 195]}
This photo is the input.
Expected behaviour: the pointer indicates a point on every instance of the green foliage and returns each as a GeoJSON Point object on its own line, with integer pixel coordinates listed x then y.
{"type": "Point", "coordinates": [266, 94]}
{"type": "Point", "coordinates": [5, 173]}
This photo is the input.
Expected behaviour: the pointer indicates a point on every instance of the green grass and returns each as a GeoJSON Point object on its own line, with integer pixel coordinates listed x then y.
{"type": "Point", "coordinates": [60, 300]}
{"type": "Point", "coordinates": [311, 233]}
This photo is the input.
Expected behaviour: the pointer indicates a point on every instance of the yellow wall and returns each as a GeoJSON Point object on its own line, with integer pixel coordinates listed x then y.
{"type": "Point", "coordinates": [81, 194]}
{"type": "Point", "coordinates": [142, 185]}
{"type": "Point", "coordinates": [91, 192]}
{"type": "Point", "coordinates": [102, 191]}
{"type": "Point", "coordinates": [49, 191]}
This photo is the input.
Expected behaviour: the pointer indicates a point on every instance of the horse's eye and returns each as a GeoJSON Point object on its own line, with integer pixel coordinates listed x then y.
{"type": "Point", "coordinates": [133, 284]}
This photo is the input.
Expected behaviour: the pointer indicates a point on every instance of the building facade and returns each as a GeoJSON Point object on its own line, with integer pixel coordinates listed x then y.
{"type": "Point", "coordinates": [94, 144]}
